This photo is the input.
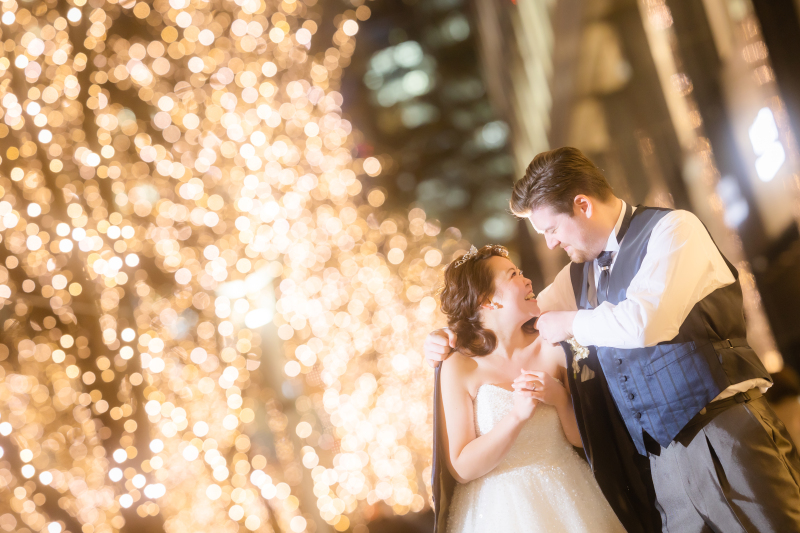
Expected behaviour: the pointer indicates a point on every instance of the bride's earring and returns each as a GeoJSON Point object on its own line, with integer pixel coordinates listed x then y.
{"type": "Point", "coordinates": [493, 305]}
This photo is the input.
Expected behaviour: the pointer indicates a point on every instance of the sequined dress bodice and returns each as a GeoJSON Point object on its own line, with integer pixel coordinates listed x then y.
{"type": "Point", "coordinates": [540, 486]}
{"type": "Point", "coordinates": [541, 442]}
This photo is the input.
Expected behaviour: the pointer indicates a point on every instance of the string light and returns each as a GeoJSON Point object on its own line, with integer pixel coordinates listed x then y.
{"type": "Point", "coordinates": [176, 177]}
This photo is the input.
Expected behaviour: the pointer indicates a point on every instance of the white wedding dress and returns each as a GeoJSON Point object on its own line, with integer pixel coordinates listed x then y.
{"type": "Point", "coordinates": [541, 486]}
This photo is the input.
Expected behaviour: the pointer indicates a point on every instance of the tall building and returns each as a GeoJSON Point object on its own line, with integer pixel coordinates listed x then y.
{"type": "Point", "coordinates": [416, 89]}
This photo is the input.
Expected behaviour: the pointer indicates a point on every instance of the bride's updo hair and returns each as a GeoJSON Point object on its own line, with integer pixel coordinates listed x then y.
{"type": "Point", "coordinates": [468, 284]}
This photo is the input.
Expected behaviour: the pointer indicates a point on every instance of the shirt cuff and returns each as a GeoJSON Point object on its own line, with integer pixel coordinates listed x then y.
{"type": "Point", "coordinates": [581, 328]}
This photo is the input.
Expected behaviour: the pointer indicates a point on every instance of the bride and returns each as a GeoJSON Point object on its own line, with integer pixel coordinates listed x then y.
{"type": "Point", "coordinates": [509, 449]}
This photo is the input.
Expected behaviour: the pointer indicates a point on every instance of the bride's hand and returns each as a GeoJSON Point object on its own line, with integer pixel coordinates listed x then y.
{"type": "Point", "coordinates": [524, 404]}
{"type": "Point", "coordinates": [542, 386]}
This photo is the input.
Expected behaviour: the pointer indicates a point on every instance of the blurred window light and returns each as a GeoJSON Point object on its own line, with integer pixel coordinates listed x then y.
{"type": "Point", "coordinates": [416, 82]}
{"type": "Point", "coordinates": [417, 114]}
{"type": "Point", "coordinates": [456, 27]}
{"type": "Point", "coordinates": [408, 54]}
{"type": "Point", "coordinates": [766, 145]}
{"type": "Point", "coordinates": [736, 209]}
{"type": "Point", "coordinates": [764, 131]}
{"type": "Point", "coordinates": [373, 80]}
{"type": "Point", "coordinates": [499, 227]}
{"type": "Point", "coordinates": [771, 161]}
{"type": "Point", "coordinates": [400, 73]}
{"type": "Point", "coordinates": [383, 62]}
{"type": "Point", "coordinates": [391, 93]}
{"type": "Point", "coordinates": [493, 135]}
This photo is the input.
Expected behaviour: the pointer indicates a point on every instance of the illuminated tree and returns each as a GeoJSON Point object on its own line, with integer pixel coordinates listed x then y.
{"type": "Point", "coordinates": [177, 182]}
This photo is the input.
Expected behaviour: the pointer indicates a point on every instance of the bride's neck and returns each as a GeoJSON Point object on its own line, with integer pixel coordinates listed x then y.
{"type": "Point", "coordinates": [510, 339]}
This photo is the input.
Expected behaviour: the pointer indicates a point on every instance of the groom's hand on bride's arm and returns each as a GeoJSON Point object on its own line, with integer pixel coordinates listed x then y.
{"type": "Point", "coordinates": [556, 326]}
{"type": "Point", "coordinates": [438, 346]}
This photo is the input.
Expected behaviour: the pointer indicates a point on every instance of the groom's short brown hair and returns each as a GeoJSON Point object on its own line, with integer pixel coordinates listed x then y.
{"type": "Point", "coordinates": [554, 179]}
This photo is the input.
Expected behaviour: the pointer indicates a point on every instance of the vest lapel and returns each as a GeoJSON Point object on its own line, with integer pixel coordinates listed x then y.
{"type": "Point", "coordinates": [616, 291]}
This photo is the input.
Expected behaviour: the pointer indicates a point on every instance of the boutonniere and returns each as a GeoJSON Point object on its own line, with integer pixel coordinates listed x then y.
{"type": "Point", "coordinates": [579, 353]}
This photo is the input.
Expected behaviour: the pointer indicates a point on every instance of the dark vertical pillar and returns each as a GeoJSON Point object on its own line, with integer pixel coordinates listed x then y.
{"type": "Point", "coordinates": [701, 63]}
{"type": "Point", "coordinates": [775, 263]}
{"type": "Point", "coordinates": [640, 106]}
{"type": "Point", "coordinates": [568, 23]}
{"type": "Point", "coordinates": [780, 28]}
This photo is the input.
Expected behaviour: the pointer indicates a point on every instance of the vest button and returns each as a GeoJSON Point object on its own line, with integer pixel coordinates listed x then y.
{"type": "Point", "coordinates": [637, 416]}
{"type": "Point", "coordinates": [624, 378]}
{"type": "Point", "coordinates": [619, 361]}
{"type": "Point", "coordinates": [631, 396]}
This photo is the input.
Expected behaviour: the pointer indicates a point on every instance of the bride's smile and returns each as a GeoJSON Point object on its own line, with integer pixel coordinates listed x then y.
{"type": "Point", "coordinates": [513, 301]}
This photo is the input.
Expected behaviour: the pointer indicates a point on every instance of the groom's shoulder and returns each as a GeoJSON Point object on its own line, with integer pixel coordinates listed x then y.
{"type": "Point", "coordinates": [680, 226]}
{"type": "Point", "coordinates": [666, 212]}
{"type": "Point", "coordinates": [680, 219]}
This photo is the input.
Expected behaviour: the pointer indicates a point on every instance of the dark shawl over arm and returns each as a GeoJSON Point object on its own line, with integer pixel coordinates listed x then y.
{"type": "Point", "coordinates": [442, 481]}
{"type": "Point", "coordinates": [622, 473]}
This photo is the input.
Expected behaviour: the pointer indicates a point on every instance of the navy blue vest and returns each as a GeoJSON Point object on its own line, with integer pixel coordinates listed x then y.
{"type": "Point", "coordinates": [660, 388]}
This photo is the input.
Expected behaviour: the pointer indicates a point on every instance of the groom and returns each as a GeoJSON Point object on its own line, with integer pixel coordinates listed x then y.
{"type": "Point", "coordinates": [669, 383]}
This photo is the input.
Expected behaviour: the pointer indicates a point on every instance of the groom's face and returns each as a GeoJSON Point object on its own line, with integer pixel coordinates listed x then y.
{"type": "Point", "coordinates": [575, 234]}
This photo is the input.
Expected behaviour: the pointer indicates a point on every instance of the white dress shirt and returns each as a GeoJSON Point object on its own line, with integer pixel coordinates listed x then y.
{"type": "Point", "coordinates": [681, 267]}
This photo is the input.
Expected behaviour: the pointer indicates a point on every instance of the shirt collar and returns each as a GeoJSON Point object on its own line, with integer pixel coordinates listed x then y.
{"type": "Point", "coordinates": [612, 245]}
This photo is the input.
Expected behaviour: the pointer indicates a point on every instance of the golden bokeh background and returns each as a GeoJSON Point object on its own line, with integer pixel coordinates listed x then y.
{"type": "Point", "coordinates": [209, 324]}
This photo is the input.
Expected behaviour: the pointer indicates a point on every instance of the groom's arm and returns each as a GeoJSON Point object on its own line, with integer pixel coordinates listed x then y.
{"type": "Point", "coordinates": [681, 267]}
{"type": "Point", "coordinates": [558, 296]}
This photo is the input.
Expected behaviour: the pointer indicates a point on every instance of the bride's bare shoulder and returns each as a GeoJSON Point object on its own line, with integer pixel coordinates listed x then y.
{"type": "Point", "coordinates": [552, 352]}
{"type": "Point", "coordinates": [458, 367]}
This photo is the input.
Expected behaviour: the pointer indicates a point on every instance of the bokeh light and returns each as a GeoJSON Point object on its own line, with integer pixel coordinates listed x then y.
{"type": "Point", "coordinates": [180, 205]}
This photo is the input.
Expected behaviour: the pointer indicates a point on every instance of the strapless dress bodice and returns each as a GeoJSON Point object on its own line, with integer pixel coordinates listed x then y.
{"type": "Point", "coordinates": [540, 486]}
{"type": "Point", "coordinates": [541, 441]}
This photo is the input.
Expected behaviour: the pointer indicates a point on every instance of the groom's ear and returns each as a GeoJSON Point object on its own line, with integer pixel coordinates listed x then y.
{"type": "Point", "coordinates": [583, 206]}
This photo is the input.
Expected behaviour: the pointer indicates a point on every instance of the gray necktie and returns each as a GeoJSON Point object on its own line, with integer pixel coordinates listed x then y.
{"type": "Point", "coordinates": [604, 261]}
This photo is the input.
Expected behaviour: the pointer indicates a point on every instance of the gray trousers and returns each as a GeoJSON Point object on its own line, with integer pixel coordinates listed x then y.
{"type": "Point", "coordinates": [735, 471]}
